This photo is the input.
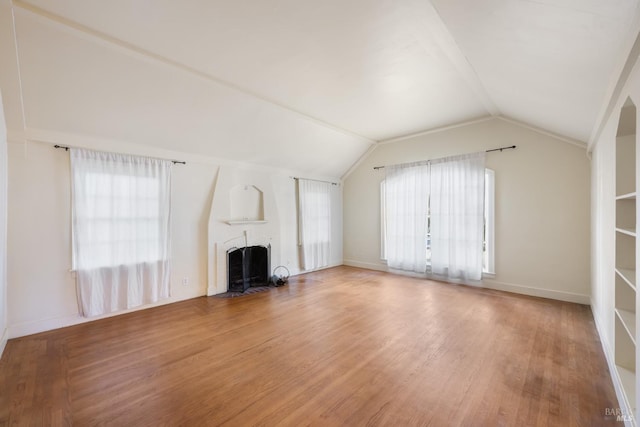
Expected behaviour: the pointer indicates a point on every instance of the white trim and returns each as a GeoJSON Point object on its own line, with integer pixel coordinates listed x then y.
{"type": "Point", "coordinates": [432, 27]}
{"type": "Point", "coordinates": [619, 77]}
{"type": "Point", "coordinates": [492, 284]}
{"type": "Point", "coordinates": [3, 341]}
{"type": "Point", "coordinates": [536, 292]}
{"type": "Point", "coordinates": [300, 272]}
{"type": "Point", "coordinates": [136, 51]}
{"type": "Point", "coordinates": [15, 45]}
{"type": "Point", "coordinates": [436, 130]}
{"type": "Point", "coordinates": [506, 119]}
{"type": "Point", "coordinates": [49, 137]}
{"type": "Point", "coordinates": [613, 371]}
{"type": "Point", "coordinates": [43, 325]}
{"type": "Point", "coordinates": [35, 327]}
{"type": "Point", "coordinates": [358, 162]}
{"type": "Point", "coordinates": [366, 265]}
{"type": "Point", "coordinates": [571, 141]}
{"type": "Point", "coordinates": [15, 136]}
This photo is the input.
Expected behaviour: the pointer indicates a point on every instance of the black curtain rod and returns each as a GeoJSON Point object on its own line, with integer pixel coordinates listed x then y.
{"type": "Point", "coordinates": [67, 149]}
{"type": "Point", "coordinates": [487, 151]}
{"type": "Point", "coordinates": [316, 180]}
{"type": "Point", "coordinates": [500, 149]}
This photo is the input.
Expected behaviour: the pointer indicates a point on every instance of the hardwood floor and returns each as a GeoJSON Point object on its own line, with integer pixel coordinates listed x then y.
{"type": "Point", "coordinates": [342, 346]}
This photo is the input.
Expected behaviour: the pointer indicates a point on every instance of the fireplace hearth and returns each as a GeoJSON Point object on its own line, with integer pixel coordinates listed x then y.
{"type": "Point", "coordinates": [248, 267]}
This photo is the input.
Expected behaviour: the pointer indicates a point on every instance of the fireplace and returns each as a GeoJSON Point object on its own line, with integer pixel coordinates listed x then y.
{"type": "Point", "coordinates": [247, 267]}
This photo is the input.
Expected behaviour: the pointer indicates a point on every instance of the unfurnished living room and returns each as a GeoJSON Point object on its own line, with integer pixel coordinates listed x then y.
{"type": "Point", "coordinates": [285, 213]}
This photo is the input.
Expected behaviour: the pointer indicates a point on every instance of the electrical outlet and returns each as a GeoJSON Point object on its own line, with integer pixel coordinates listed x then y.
{"type": "Point", "coordinates": [185, 281]}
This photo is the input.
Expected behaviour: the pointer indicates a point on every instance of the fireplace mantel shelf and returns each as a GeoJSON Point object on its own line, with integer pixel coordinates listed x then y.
{"type": "Point", "coordinates": [246, 221]}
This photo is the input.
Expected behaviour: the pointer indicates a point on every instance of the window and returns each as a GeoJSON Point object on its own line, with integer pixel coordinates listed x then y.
{"type": "Point", "coordinates": [314, 222]}
{"type": "Point", "coordinates": [120, 230]}
{"type": "Point", "coordinates": [121, 221]}
{"type": "Point", "coordinates": [488, 245]}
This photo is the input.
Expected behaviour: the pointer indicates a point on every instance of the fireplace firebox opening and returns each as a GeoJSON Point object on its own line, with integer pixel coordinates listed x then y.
{"type": "Point", "coordinates": [248, 267]}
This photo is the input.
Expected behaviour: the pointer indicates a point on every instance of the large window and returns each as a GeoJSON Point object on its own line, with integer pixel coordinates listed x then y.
{"type": "Point", "coordinates": [488, 243]}
{"type": "Point", "coordinates": [120, 229]}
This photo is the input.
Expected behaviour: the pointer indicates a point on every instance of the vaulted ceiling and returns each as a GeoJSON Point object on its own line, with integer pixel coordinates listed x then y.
{"type": "Point", "coordinates": [315, 83]}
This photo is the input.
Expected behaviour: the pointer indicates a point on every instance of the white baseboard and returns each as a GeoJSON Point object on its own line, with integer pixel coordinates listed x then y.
{"type": "Point", "coordinates": [536, 292]}
{"type": "Point", "coordinates": [613, 371]}
{"type": "Point", "coordinates": [299, 272]}
{"type": "Point", "coordinates": [3, 340]}
{"type": "Point", "coordinates": [43, 325]}
{"type": "Point", "coordinates": [493, 284]}
{"type": "Point", "coordinates": [366, 265]}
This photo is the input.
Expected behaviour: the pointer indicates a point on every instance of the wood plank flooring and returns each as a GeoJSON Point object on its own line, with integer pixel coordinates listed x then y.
{"type": "Point", "coordinates": [342, 346]}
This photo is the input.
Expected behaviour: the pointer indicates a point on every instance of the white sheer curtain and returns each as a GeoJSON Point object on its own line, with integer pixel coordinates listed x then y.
{"type": "Point", "coordinates": [314, 223]}
{"type": "Point", "coordinates": [406, 209]}
{"type": "Point", "coordinates": [120, 230]}
{"type": "Point", "coordinates": [457, 217]}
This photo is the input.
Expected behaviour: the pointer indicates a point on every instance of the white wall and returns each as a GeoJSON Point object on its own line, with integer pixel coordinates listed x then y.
{"type": "Point", "coordinates": [542, 205]}
{"type": "Point", "coordinates": [41, 290]}
{"type": "Point", "coordinates": [3, 230]}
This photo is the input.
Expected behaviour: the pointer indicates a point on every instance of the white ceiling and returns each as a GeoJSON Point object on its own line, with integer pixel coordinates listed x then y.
{"type": "Point", "coordinates": [314, 82]}
{"type": "Point", "coordinates": [544, 62]}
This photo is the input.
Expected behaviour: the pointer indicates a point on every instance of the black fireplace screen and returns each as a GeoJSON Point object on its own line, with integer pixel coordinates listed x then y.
{"type": "Point", "coordinates": [247, 267]}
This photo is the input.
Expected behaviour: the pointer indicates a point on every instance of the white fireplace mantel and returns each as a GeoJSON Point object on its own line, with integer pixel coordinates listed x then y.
{"type": "Point", "coordinates": [248, 195]}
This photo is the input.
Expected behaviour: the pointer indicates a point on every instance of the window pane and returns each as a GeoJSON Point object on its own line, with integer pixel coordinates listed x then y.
{"type": "Point", "coordinates": [119, 212]}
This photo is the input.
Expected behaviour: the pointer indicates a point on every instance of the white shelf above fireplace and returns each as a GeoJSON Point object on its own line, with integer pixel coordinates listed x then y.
{"type": "Point", "coordinates": [246, 221]}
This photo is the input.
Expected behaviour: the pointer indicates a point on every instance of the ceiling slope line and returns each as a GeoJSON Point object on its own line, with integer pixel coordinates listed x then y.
{"type": "Point", "coordinates": [436, 130]}
{"type": "Point", "coordinates": [620, 75]}
{"type": "Point", "coordinates": [51, 137]}
{"type": "Point", "coordinates": [534, 128]}
{"type": "Point", "coordinates": [445, 40]}
{"type": "Point", "coordinates": [519, 123]}
{"type": "Point", "coordinates": [130, 48]}
{"type": "Point", "coordinates": [14, 32]}
{"type": "Point", "coordinates": [358, 162]}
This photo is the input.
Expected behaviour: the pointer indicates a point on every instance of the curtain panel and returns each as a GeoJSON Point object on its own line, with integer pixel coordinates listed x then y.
{"type": "Point", "coordinates": [406, 209]}
{"type": "Point", "coordinates": [120, 230]}
{"type": "Point", "coordinates": [457, 217]}
{"type": "Point", "coordinates": [437, 204]}
{"type": "Point", "coordinates": [314, 223]}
